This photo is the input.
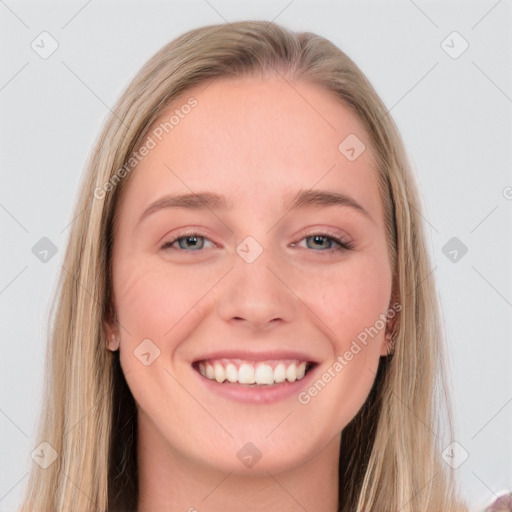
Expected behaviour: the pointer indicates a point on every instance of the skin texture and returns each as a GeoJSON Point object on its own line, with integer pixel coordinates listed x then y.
{"type": "Point", "coordinates": [256, 141]}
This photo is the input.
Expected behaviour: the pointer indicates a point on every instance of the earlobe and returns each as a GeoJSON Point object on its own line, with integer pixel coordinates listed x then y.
{"type": "Point", "coordinates": [111, 328]}
{"type": "Point", "coordinates": [388, 345]}
{"type": "Point", "coordinates": [112, 335]}
{"type": "Point", "coordinates": [113, 343]}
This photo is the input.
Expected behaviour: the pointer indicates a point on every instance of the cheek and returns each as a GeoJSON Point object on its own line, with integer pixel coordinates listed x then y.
{"type": "Point", "coordinates": [350, 299]}
{"type": "Point", "coordinates": [350, 302]}
{"type": "Point", "coordinates": [160, 304]}
{"type": "Point", "coordinates": [152, 299]}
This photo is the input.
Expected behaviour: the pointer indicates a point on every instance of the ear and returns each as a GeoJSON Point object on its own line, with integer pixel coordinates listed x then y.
{"type": "Point", "coordinates": [392, 313]}
{"type": "Point", "coordinates": [111, 330]}
{"type": "Point", "coordinates": [387, 346]}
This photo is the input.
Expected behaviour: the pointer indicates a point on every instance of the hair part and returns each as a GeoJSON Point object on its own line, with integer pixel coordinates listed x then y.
{"type": "Point", "coordinates": [89, 415]}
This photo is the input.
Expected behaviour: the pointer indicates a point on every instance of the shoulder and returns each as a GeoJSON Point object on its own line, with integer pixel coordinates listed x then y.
{"type": "Point", "coordinates": [502, 504]}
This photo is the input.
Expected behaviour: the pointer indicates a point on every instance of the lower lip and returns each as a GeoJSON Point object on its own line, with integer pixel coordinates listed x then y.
{"type": "Point", "coordinates": [257, 394]}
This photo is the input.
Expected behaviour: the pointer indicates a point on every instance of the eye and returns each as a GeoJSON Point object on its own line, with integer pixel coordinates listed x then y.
{"type": "Point", "coordinates": [325, 242]}
{"type": "Point", "coordinates": [186, 242]}
{"type": "Point", "coordinates": [321, 242]}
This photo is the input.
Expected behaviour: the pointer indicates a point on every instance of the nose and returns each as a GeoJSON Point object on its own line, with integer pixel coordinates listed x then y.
{"type": "Point", "coordinates": [257, 294]}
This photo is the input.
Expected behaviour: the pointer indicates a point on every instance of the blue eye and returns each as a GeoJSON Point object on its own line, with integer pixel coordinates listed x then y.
{"type": "Point", "coordinates": [196, 242]}
{"type": "Point", "coordinates": [321, 242]}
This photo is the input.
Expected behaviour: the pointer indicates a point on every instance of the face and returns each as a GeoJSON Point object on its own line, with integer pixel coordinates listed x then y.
{"type": "Point", "coordinates": [215, 294]}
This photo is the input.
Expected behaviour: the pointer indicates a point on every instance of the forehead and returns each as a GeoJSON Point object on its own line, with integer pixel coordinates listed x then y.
{"type": "Point", "coordinates": [256, 140]}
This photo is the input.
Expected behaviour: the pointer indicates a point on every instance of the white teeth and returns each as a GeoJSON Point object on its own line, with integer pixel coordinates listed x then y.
{"type": "Point", "coordinates": [219, 372]}
{"type": "Point", "coordinates": [231, 372]}
{"type": "Point", "coordinates": [291, 373]}
{"type": "Point", "coordinates": [301, 370]}
{"type": "Point", "coordinates": [264, 374]}
{"type": "Point", "coordinates": [248, 372]}
{"type": "Point", "coordinates": [280, 373]}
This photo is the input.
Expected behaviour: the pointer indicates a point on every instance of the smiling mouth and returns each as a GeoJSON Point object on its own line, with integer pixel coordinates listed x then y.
{"type": "Point", "coordinates": [253, 373]}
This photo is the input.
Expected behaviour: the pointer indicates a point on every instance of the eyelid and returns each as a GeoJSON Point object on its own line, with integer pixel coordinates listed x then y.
{"type": "Point", "coordinates": [327, 232]}
{"type": "Point", "coordinates": [166, 244]}
{"type": "Point", "coordinates": [189, 230]}
{"type": "Point", "coordinates": [343, 242]}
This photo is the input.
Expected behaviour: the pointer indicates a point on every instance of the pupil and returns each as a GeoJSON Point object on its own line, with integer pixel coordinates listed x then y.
{"type": "Point", "coordinates": [188, 242]}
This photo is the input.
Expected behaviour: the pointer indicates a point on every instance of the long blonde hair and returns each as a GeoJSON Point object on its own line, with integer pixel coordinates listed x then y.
{"type": "Point", "coordinates": [390, 457]}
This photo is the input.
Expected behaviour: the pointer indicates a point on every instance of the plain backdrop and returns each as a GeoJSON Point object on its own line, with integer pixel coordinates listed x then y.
{"type": "Point", "coordinates": [452, 104]}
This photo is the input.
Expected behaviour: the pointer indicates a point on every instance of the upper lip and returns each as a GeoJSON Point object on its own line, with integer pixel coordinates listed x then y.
{"type": "Point", "coordinates": [257, 356]}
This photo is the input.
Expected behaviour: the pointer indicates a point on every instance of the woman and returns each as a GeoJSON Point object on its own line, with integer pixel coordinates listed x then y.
{"type": "Point", "coordinates": [247, 317]}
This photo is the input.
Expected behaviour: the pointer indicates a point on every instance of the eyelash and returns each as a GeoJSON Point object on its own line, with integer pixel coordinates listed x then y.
{"type": "Point", "coordinates": [343, 245]}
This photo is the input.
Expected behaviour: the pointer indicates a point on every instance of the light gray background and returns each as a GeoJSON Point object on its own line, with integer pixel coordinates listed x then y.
{"type": "Point", "coordinates": [454, 114]}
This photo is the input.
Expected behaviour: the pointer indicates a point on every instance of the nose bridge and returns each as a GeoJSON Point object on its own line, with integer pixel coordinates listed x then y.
{"type": "Point", "coordinates": [254, 291]}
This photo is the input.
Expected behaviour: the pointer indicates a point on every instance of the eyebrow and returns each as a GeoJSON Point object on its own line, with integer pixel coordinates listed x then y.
{"type": "Point", "coordinates": [211, 201]}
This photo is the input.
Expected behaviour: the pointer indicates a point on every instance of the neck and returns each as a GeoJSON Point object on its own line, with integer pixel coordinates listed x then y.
{"type": "Point", "coordinates": [172, 483]}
